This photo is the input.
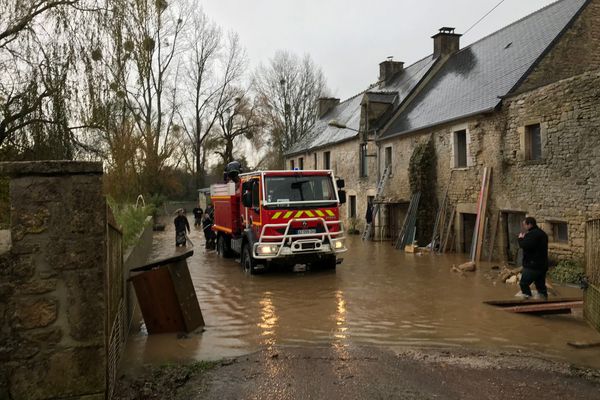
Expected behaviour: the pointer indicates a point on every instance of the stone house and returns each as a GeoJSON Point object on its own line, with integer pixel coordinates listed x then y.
{"type": "Point", "coordinates": [523, 101]}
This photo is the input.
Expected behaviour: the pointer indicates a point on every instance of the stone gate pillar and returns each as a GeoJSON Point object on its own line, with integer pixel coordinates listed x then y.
{"type": "Point", "coordinates": [52, 295]}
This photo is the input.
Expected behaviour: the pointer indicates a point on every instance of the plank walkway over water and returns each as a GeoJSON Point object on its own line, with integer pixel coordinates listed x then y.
{"type": "Point", "coordinates": [548, 308]}
{"type": "Point", "coordinates": [538, 307]}
{"type": "Point", "coordinates": [517, 302]}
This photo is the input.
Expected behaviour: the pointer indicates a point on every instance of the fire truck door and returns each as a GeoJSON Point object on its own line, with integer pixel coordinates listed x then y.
{"type": "Point", "coordinates": [254, 211]}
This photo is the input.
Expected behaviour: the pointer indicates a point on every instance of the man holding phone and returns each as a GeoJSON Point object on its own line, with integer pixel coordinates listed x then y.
{"type": "Point", "coordinates": [534, 243]}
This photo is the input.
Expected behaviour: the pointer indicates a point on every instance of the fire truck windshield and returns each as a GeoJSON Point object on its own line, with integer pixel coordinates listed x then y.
{"type": "Point", "coordinates": [295, 190]}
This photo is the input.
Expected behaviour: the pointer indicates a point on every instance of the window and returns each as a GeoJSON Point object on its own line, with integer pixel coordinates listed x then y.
{"type": "Point", "coordinates": [292, 164]}
{"type": "Point", "coordinates": [316, 166]}
{"type": "Point", "coordinates": [327, 160]}
{"type": "Point", "coordinates": [286, 189]}
{"type": "Point", "coordinates": [533, 142]}
{"type": "Point", "coordinates": [255, 194]}
{"type": "Point", "coordinates": [301, 163]}
{"type": "Point", "coordinates": [388, 156]}
{"type": "Point", "coordinates": [352, 207]}
{"type": "Point", "coordinates": [460, 149]}
{"type": "Point", "coordinates": [364, 165]}
{"type": "Point", "coordinates": [560, 232]}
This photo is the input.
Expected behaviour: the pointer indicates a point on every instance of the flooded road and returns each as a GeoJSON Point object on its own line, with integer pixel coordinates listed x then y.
{"type": "Point", "coordinates": [378, 296]}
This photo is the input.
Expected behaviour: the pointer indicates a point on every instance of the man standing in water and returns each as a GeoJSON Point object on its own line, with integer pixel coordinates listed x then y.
{"type": "Point", "coordinates": [534, 243]}
{"type": "Point", "coordinates": [197, 215]}
{"type": "Point", "coordinates": [181, 227]}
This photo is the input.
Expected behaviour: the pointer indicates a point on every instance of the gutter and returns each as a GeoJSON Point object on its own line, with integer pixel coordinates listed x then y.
{"type": "Point", "coordinates": [311, 149]}
{"type": "Point", "coordinates": [444, 122]}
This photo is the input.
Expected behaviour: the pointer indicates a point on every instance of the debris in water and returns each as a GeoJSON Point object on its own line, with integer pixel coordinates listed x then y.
{"type": "Point", "coordinates": [468, 266]}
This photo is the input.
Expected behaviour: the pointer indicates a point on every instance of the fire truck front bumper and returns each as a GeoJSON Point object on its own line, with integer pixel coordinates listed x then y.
{"type": "Point", "coordinates": [293, 244]}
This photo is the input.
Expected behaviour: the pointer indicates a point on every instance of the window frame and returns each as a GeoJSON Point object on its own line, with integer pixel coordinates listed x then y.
{"type": "Point", "coordinates": [554, 229]}
{"type": "Point", "coordinates": [530, 129]}
{"type": "Point", "coordinates": [352, 206]}
{"type": "Point", "coordinates": [292, 164]}
{"type": "Point", "coordinates": [327, 160]}
{"type": "Point", "coordinates": [364, 160]}
{"type": "Point", "coordinates": [456, 149]}
{"type": "Point", "coordinates": [388, 161]}
{"type": "Point", "coordinates": [301, 163]}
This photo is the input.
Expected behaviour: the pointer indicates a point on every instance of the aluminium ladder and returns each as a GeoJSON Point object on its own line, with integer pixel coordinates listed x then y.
{"type": "Point", "coordinates": [380, 187]}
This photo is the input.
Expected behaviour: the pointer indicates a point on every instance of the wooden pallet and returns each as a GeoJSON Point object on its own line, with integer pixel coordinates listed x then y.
{"type": "Point", "coordinates": [517, 302]}
{"type": "Point", "coordinates": [548, 308]}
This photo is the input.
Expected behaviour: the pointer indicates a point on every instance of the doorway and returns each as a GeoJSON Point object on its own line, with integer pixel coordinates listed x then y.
{"type": "Point", "coordinates": [396, 213]}
{"type": "Point", "coordinates": [511, 226]}
{"type": "Point", "coordinates": [468, 222]}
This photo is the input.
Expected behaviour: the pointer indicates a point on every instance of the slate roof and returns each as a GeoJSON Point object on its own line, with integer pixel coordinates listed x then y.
{"type": "Point", "coordinates": [348, 111]}
{"type": "Point", "coordinates": [473, 79]}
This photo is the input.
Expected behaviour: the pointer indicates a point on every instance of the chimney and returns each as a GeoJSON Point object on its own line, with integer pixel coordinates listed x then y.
{"type": "Point", "coordinates": [327, 104]}
{"type": "Point", "coordinates": [446, 42]}
{"type": "Point", "coordinates": [389, 69]}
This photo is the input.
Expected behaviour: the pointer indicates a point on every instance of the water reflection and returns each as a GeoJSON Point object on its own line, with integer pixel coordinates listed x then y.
{"type": "Point", "coordinates": [378, 296]}
{"type": "Point", "coordinates": [340, 316]}
{"type": "Point", "coordinates": [268, 320]}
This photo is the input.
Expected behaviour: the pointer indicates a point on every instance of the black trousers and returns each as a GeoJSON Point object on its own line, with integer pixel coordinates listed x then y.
{"type": "Point", "coordinates": [529, 276]}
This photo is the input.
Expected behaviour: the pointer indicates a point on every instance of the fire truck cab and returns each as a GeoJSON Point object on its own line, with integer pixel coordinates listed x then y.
{"type": "Point", "coordinates": [280, 218]}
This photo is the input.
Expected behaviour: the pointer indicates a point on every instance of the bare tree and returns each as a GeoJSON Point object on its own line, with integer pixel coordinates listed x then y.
{"type": "Point", "coordinates": [214, 66]}
{"type": "Point", "coordinates": [288, 89]}
{"type": "Point", "coordinates": [37, 58]}
{"type": "Point", "coordinates": [142, 58]}
{"type": "Point", "coordinates": [239, 120]}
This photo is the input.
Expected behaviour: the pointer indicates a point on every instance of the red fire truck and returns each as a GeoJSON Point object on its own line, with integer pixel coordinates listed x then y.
{"type": "Point", "coordinates": [280, 218]}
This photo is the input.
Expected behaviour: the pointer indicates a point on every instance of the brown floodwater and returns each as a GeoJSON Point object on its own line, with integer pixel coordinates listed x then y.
{"type": "Point", "coordinates": [377, 296]}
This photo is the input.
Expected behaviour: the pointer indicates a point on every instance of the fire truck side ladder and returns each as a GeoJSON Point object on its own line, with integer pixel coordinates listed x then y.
{"type": "Point", "coordinates": [380, 187]}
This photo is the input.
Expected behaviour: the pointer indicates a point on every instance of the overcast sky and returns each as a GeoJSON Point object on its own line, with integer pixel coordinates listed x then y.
{"type": "Point", "coordinates": [348, 38]}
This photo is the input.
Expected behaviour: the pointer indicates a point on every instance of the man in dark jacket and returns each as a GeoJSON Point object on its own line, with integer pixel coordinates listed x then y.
{"type": "Point", "coordinates": [182, 226]}
{"type": "Point", "coordinates": [534, 243]}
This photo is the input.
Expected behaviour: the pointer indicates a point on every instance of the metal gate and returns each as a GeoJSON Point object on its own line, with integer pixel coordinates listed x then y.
{"type": "Point", "coordinates": [592, 266]}
{"type": "Point", "coordinates": [115, 305]}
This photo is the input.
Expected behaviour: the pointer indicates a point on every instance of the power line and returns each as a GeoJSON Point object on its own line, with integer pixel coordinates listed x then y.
{"type": "Point", "coordinates": [482, 18]}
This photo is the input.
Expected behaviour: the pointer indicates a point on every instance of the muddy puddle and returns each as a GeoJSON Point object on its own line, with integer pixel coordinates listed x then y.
{"type": "Point", "coordinates": [378, 296]}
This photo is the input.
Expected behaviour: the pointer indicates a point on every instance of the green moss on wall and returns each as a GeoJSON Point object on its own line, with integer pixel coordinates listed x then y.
{"type": "Point", "coordinates": [423, 178]}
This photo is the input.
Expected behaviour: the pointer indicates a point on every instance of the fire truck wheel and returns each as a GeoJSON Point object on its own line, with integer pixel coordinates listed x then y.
{"type": "Point", "coordinates": [222, 246]}
{"type": "Point", "coordinates": [329, 262]}
{"type": "Point", "coordinates": [248, 262]}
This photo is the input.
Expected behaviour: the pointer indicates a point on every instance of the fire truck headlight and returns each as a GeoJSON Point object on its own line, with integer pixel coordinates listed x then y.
{"type": "Point", "coordinates": [338, 244]}
{"type": "Point", "coordinates": [267, 249]}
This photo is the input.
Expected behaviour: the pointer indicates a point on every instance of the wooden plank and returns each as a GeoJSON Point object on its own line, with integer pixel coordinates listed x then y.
{"type": "Point", "coordinates": [158, 301]}
{"type": "Point", "coordinates": [441, 214]}
{"type": "Point", "coordinates": [584, 345]}
{"type": "Point", "coordinates": [516, 302]}
{"type": "Point", "coordinates": [186, 295]}
{"type": "Point", "coordinates": [477, 221]}
{"type": "Point", "coordinates": [543, 308]}
{"type": "Point", "coordinates": [448, 230]}
{"type": "Point", "coordinates": [482, 215]}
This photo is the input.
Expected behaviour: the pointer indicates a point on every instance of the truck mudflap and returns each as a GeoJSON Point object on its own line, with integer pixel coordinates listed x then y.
{"type": "Point", "coordinates": [292, 244]}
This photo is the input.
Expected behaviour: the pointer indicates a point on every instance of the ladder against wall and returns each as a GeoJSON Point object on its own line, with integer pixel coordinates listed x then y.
{"type": "Point", "coordinates": [368, 232]}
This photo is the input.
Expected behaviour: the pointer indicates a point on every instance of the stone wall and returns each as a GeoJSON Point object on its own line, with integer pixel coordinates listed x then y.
{"type": "Point", "coordinates": [52, 295]}
{"type": "Point", "coordinates": [565, 184]}
{"type": "Point", "coordinates": [575, 53]}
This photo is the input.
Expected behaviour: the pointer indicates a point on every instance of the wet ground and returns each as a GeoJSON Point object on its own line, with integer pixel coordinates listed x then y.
{"type": "Point", "coordinates": [364, 372]}
{"type": "Point", "coordinates": [378, 297]}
